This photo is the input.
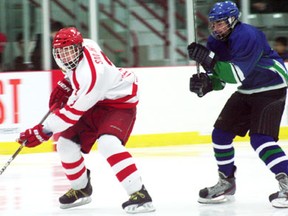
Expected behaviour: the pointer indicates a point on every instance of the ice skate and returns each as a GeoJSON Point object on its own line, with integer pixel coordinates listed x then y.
{"type": "Point", "coordinates": [280, 198]}
{"type": "Point", "coordinates": [223, 191]}
{"type": "Point", "coordinates": [75, 198]}
{"type": "Point", "coordinates": [139, 202]}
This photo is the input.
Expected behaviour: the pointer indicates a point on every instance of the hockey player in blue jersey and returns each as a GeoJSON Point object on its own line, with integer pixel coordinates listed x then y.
{"type": "Point", "coordinates": [239, 53]}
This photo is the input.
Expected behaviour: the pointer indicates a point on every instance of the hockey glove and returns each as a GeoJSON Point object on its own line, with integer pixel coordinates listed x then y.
{"type": "Point", "coordinates": [60, 94]}
{"type": "Point", "coordinates": [200, 84]}
{"type": "Point", "coordinates": [202, 55]}
{"type": "Point", "coordinates": [33, 136]}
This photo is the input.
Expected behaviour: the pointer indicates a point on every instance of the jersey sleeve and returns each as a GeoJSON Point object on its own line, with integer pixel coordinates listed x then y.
{"type": "Point", "coordinates": [244, 49]}
{"type": "Point", "coordinates": [217, 84]}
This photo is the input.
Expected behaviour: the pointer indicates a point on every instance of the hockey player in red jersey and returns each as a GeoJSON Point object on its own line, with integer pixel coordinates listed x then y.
{"type": "Point", "coordinates": [95, 101]}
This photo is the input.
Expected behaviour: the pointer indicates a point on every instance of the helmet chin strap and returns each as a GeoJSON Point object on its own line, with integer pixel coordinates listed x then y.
{"type": "Point", "coordinates": [63, 71]}
{"type": "Point", "coordinates": [232, 21]}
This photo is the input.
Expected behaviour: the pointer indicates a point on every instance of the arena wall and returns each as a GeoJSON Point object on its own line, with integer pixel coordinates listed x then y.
{"type": "Point", "coordinates": [168, 113]}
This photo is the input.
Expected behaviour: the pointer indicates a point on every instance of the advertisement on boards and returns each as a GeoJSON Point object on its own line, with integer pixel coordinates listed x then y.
{"type": "Point", "coordinates": [24, 100]}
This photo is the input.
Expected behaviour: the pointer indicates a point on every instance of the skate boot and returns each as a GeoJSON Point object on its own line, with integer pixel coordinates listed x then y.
{"type": "Point", "coordinates": [280, 198]}
{"type": "Point", "coordinates": [75, 198]}
{"type": "Point", "coordinates": [219, 193]}
{"type": "Point", "coordinates": [139, 202]}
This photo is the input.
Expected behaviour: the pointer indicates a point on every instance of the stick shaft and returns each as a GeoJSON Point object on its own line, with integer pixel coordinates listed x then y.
{"type": "Point", "coordinates": [195, 32]}
{"type": "Point", "coordinates": [196, 40]}
{"type": "Point", "coordinates": [21, 147]}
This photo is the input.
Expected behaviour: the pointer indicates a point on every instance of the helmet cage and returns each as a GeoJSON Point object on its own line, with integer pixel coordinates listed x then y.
{"type": "Point", "coordinates": [224, 29]}
{"type": "Point", "coordinates": [68, 57]}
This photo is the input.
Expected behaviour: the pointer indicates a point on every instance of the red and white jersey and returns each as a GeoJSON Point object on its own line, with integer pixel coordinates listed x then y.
{"type": "Point", "coordinates": [95, 80]}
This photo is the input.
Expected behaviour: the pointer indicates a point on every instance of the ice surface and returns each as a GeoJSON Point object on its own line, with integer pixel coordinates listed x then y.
{"type": "Point", "coordinates": [173, 176]}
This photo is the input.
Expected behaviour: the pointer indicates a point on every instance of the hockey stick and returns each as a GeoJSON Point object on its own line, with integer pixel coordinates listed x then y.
{"type": "Point", "coordinates": [200, 94]}
{"type": "Point", "coordinates": [195, 34]}
{"type": "Point", "coordinates": [21, 147]}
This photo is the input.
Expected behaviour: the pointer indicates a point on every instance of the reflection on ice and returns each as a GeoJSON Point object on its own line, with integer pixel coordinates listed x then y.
{"type": "Point", "coordinates": [32, 184]}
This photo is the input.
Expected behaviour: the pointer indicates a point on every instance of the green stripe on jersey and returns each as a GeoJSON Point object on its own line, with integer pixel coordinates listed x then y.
{"type": "Point", "coordinates": [281, 70]}
{"type": "Point", "coordinates": [224, 71]}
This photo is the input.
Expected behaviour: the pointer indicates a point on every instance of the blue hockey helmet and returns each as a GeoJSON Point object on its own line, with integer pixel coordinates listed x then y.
{"type": "Point", "coordinates": [223, 11]}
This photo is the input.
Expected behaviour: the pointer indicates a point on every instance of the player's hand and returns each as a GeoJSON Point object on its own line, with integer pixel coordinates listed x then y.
{"type": "Point", "coordinates": [200, 84]}
{"type": "Point", "coordinates": [33, 136]}
{"type": "Point", "coordinates": [60, 94]}
{"type": "Point", "coordinates": [202, 55]}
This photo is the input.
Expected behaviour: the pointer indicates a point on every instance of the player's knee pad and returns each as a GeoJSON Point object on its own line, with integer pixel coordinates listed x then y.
{"type": "Point", "coordinates": [222, 137]}
{"type": "Point", "coordinates": [66, 146]}
{"type": "Point", "coordinates": [258, 139]}
{"type": "Point", "coordinates": [109, 145]}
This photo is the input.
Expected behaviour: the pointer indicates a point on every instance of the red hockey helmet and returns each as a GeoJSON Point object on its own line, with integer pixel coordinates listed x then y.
{"type": "Point", "coordinates": [67, 36]}
{"type": "Point", "coordinates": [67, 48]}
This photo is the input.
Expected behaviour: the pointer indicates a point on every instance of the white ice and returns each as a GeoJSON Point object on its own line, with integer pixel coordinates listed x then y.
{"type": "Point", "coordinates": [173, 176]}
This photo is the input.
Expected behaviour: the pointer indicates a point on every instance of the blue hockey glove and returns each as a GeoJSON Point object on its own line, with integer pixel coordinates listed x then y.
{"type": "Point", "coordinates": [200, 84]}
{"type": "Point", "coordinates": [202, 55]}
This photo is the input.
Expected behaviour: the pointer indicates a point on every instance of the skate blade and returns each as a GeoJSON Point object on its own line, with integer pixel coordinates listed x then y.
{"type": "Point", "coordinates": [217, 200]}
{"type": "Point", "coordinates": [79, 202]}
{"type": "Point", "coordinates": [134, 209]}
{"type": "Point", "coordinates": [280, 203]}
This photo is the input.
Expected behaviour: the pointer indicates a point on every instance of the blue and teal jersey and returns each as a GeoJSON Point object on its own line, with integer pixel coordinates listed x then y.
{"type": "Point", "coordinates": [247, 58]}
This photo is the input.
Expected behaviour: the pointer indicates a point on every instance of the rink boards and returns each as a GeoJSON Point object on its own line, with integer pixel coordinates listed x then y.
{"type": "Point", "coordinates": [168, 113]}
